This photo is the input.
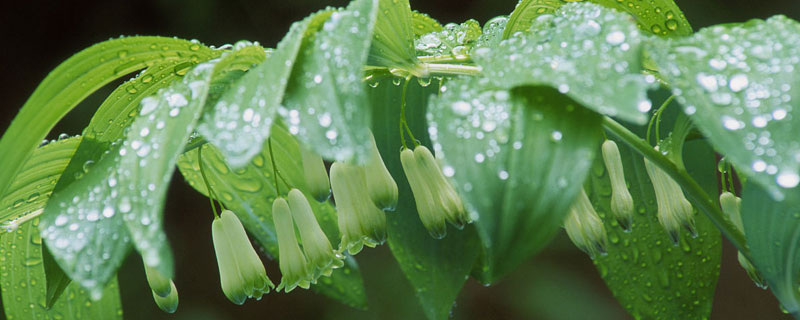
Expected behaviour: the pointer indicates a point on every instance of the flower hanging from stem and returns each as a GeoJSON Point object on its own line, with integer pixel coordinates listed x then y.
{"type": "Point", "coordinates": [585, 228]}
{"type": "Point", "coordinates": [674, 210]}
{"type": "Point", "coordinates": [360, 221]}
{"type": "Point", "coordinates": [621, 200]}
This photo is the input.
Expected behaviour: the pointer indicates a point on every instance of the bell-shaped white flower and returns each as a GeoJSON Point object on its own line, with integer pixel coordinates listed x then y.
{"type": "Point", "coordinates": [731, 207]}
{"type": "Point", "coordinates": [436, 199]}
{"type": "Point", "coordinates": [294, 266]}
{"type": "Point", "coordinates": [380, 184]}
{"type": "Point", "coordinates": [321, 256]}
{"type": "Point", "coordinates": [674, 210]}
{"type": "Point", "coordinates": [361, 223]}
{"type": "Point", "coordinates": [585, 228]}
{"type": "Point", "coordinates": [241, 271]}
{"type": "Point", "coordinates": [316, 175]}
{"type": "Point", "coordinates": [621, 200]}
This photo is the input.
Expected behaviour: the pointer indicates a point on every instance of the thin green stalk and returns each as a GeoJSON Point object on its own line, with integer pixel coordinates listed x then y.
{"type": "Point", "coordinates": [696, 194]}
{"type": "Point", "coordinates": [403, 122]}
{"type": "Point", "coordinates": [205, 180]}
{"type": "Point", "coordinates": [274, 167]}
{"type": "Point", "coordinates": [450, 69]}
{"type": "Point", "coordinates": [445, 59]}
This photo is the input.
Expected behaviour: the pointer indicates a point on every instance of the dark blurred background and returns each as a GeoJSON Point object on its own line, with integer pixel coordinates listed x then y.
{"type": "Point", "coordinates": [560, 283]}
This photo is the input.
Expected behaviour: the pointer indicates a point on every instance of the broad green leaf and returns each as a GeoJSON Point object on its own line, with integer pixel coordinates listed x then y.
{"type": "Point", "coordinates": [772, 229]}
{"type": "Point", "coordinates": [526, 12]}
{"type": "Point", "coordinates": [23, 265]}
{"type": "Point", "coordinates": [492, 32]}
{"type": "Point", "coordinates": [89, 225]}
{"type": "Point", "coordinates": [660, 17]}
{"type": "Point", "coordinates": [250, 190]}
{"type": "Point", "coordinates": [32, 186]}
{"type": "Point", "coordinates": [454, 39]}
{"type": "Point", "coordinates": [737, 83]}
{"type": "Point", "coordinates": [393, 39]}
{"type": "Point", "coordinates": [325, 104]}
{"type": "Point", "coordinates": [586, 51]}
{"type": "Point", "coordinates": [500, 147]}
{"type": "Point", "coordinates": [437, 269]}
{"type": "Point", "coordinates": [74, 80]}
{"type": "Point", "coordinates": [649, 276]}
{"type": "Point", "coordinates": [240, 121]}
{"type": "Point", "coordinates": [422, 23]}
{"type": "Point", "coordinates": [23, 282]}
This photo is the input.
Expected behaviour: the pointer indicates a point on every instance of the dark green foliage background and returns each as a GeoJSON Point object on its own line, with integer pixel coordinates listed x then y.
{"type": "Point", "coordinates": [560, 283]}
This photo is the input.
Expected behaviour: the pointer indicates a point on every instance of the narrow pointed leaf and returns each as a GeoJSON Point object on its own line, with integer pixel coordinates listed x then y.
{"type": "Point", "coordinates": [325, 105]}
{"type": "Point", "coordinates": [437, 269]}
{"type": "Point", "coordinates": [499, 147]}
{"type": "Point", "coordinates": [250, 190]}
{"type": "Point", "coordinates": [393, 42]}
{"type": "Point", "coordinates": [738, 85]}
{"type": "Point", "coordinates": [586, 51]}
{"type": "Point", "coordinates": [649, 276]}
{"type": "Point", "coordinates": [422, 23]}
{"type": "Point", "coordinates": [75, 79]}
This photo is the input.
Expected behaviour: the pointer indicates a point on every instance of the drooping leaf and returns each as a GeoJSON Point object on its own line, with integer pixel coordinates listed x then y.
{"type": "Point", "coordinates": [325, 105]}
{"type": "Point", "coordinates": [90, 224]}
{"type": "Point", "coordinates": [437, 269]}
{"type": "Point", "coordinates": [23, 264]}
{"type": "Point", "coordinates": [649, 276]}
{"type": "Point", "coordinates": [393, 40]}
{"type": "Point", "coordinates": [660, 17]}
{"type": "Point", "coordinates": [422, 23]}
{"type": "Point", "coordinates": [250, 190]}
{"type": "Point", "coordinates": [737, 83]}
{"type": "Point", "coordinates": [500, 147]}
{"type": "Point", "coordinates": [23, 282]}
{"type": "Point", "coordinates": [772, 229]}
{"type": "Point", "coordinates": [586, 51]}
{"type": "Point", "coordinates": [75, 79]}
{"type": "Point", "coordinates": [241, 118]}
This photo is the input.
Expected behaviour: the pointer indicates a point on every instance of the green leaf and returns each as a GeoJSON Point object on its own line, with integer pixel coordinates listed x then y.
{"type": "Point", "coordinates": [526, 12]}
{"type": "Point", "coordinates": [23, 282]}
{"type": "Point", "coordinates": [250, 190]}
{"type": "Point", "coordinates": [121, 197]}
{"type": "Point", "coordinates": [24, 263]}
{"type": "Point", "coordinates": [590, 53]}
{"type": "Point", "coordinates": [492, 32]}
{"type": "Point", "coordinates": [660, 17]}
{"type": "Point", "coordinates": [74, 80]}
{"type": "Point", "coordinates": [325, 104]}
{"type": "Point", "coordinates": [499, 147]}
{"type": "Point", "coordinates": [735, 82]}
{"type": "Point", "coordinates": [422, 23]}
{"type": "Point", "coordinates": [772, 231]}
{"type": "Point", "coordinates": [437, 269]}
{"type": "Point", "coordinates": [240, 120]}
{"type": "Point", "coordinates": [393, 39]}
{"type": "Point", "coordinates": [649, 276]}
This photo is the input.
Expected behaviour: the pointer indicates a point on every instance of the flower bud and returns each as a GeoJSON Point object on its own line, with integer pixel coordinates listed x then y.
{"type": "Point", "coordinates": [168, 303]}
{"type": "Point", "coordinates": [621, 200]}
{"type": "Point", "coordinates": [585, 228]}
{"type": "Point", "coordinates": [673, 208]}
{"type": "Point", "coordinates": [316, 245]}
{"type": "Point", "coordinates": [360, 221]}
{"type": "Point", "coordinates": [294, 266]}
{"type": "Point", "coordinates": [160, 284]}
{"type": "Point", "coordinates": [241, 272]}
{"type": "Point", "coordinates": [380, 184]}
{"type": "Point", "coordinates": [437, 201]}
{"type": "Point", "coordinates": [316, 175]}
{"type": "Point", "coordinates": [731, 207]}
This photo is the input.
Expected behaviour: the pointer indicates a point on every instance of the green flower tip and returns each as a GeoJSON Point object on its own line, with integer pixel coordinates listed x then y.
{"type": "Point", "coordinates": [316, 175]}
{"type": "Point", "coordinates": [585, 228]}
{"type": "Point", "coordinates": [361, 223]}
{"type": "Point", "coordinates": [436, 199]}
{"type": "Point", "coordinates": [621, 200]}
{"type": "Point", "coordinates": [242, 275]}
{"type": "Point", "coordinates": [731, 206]}
{"type": "Point", "coordinates": [168, 303]}
{"type": "Point", "coordinates": [161, 285]}
{"type": "Point", "coordinates": [674, 210]}
{"type": "Point", "coordinates": [316, 246]}
{"type": "Point", "coordinates": [380, 184]}
{"type": "Point", "coordinates": [294, 266]}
